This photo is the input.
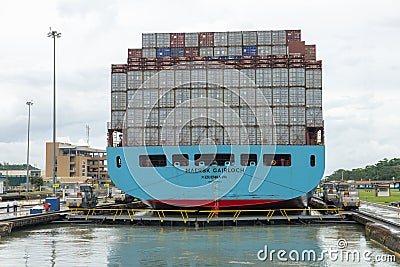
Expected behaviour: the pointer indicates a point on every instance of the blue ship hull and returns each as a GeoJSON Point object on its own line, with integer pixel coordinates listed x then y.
{"type": "Point", "coordinates": [228, 186]}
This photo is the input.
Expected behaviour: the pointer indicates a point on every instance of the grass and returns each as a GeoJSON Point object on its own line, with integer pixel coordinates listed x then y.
{"type": "Point", "coordinates": [369, 195]}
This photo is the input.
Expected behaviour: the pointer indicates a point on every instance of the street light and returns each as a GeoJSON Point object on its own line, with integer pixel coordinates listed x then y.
{"type": "Point", "coordinates": [29, 103]}
{"type": "Point", "coordinates": [54, 35]}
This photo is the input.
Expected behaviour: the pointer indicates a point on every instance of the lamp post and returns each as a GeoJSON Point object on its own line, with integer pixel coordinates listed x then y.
{"type": "Point", "coordinates": [54, 35]}
{"type": "Point", "coordinates": [29, 103]}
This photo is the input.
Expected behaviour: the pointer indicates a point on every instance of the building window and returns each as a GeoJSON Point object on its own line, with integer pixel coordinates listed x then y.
{"type": "Point", "coordinates": [180, 159]}
{"type": "Point", "coordinates": [119, 164]}
{"type": "Point", "coordinates": [214, 159]}
{"type": "Point", "coordinates": [248, 159]}
{"type": "Point", "coordinates": [152, 161]}
{"type": "Point", "coordinates": [277, 160]}
{"type": "Point", "coordinates": [312, 160]}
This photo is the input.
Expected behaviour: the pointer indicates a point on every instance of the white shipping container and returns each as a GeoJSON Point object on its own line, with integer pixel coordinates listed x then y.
{"type": "Point", "coordinates": [314, 117]}
{"type": "Point", "coordinates": [297, 96]}
{"type": "Point", "coordinates": [163, 39]}
{"type": "Point", "coordinates": [280, 77]}
{"type": "Point", "coordinates": [184, 136]}
{"type": "Point", "coordinates": [297, 77]}
{"type": "Point", "coordinates": [264, 77]}
{"type": "Point", "coordinates": [216, 135]}
{"type": "Point", "coordinates": [215, 116]}
{"type": "Point", "coordinates": [281, 135]}
{"type": "Point", "coordinates": [198, 76]}
{"type": "Point", "coordinates": [135, 79]}
{"type": "Point", "coordinates": [215, 97]}
{"type": "Point", "coordinates": [297, 135]}
{"type": "Point", "coordinates": [249, 38]}
{"type": "Point", "coordinates": [166, 79]}
{"type": "Point", "coordinates": [134, 118]}
{"type": "Point", "coordinates": [247, 78]}
{"type": "Point", "coordinates": [220, 38]}
{"type": "Point", "coordinates": [182, 96]}
{"type": "Point", "coordinates": [234, 39]}
{"type": "Point", "coordinates": [117, 119]}
{"type": "Point", "coordinates": [206, 51]}
{"type": "Point", "coordinates": [231, 78]}
{"type": "Point", "coordinates": [264, 116]}
{"type": "Point", "coordinates": [151, 136]}
{"type": "Point", "coordinates": [182, 116]}
{"type": "Point", "coordinates": [199, 134]}
{"type": "Point", "coordinates": [118, 82]}
{"type": "Point", "coordinates": [280, 96]}
{"type": "Point", "coordinates": [148, 40]}
{"type": "Point", "coordinates": [118, 101]}
{"type": "Point", "coordinates": [313, 78]}
{"type": "Point", "coordinates": [167, 117]}
{"type": "Point", "coordinates": [168, 136]}
{"type": "Point", "coordinates": [297, 115]}
{"type": "Point", "coordinates": [192, 39]}
{"type": "Point", "coordinates": [279, 50]}
{"type": "Point", "coordinates": [135, 136]}
{"type": "Point", "coordinates": [281, 115]}
{"type": "Point", "coordinates": [151, 117]}
{"type": "Point", "coordinates": [231, 97]}
{"type": "Point", "coordinates": [231, 117]}
{"type": "Point", "coordinates": [136, 99]}
{"type": "Point", "coordinates": [314, 98]}
{"type": "Point", "coordinates": [182, 77]}
{"type": "Point", "coordinates": [150, 79]}
{"type": "Point", "coordinates": [247, 97]}
{"type": "Point", "coordinates": [278, 37]}
{"type": "Point", "coordinates": [150, 98]}
{"type": "Point", "coordinates": [266, 100]}
{"type": "Point", "coordinates": [220, 51]}
{"type": "Point", "coordinates": [231, 135]}
{"type": "Point", "coordinates": [149, 52]}
{"type": "Point", "coordinates": [264, 38]}
{"type": "Point", "coordinates": [130, 96]}
{"type": "Point", "coordinates": [167, 98]}
{"type": "Point", "coordinates": [264, 50]}
{"type": "Point", "coordinates": [215, 76]}
{"type": "Point", "coordinates": [235, 50]}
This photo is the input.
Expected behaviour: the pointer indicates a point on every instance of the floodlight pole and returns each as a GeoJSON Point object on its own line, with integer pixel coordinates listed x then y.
{"type": "Point", "coordinates": [54, 35]}
{"type": "Point", "coordinates": [29, 103]}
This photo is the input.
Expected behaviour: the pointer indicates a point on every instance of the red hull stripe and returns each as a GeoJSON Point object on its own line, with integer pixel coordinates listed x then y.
{"type": "Point", "coordinates": [211, 203]}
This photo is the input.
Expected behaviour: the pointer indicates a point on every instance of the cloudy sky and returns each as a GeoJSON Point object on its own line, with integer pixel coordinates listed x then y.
{"type": "Point", "coordinates": [358, 42]}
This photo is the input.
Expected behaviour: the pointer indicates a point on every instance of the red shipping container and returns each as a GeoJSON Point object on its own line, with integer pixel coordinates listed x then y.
{"type": "Point", "coordinates": [177, 39]}
{"type": "Point", "coordinates": [206, 39]}
{"type": "Point", "coordinates": [118, 68]}
{"type": "Point", "coordinates": [191, 52]}
{"type": "Point", "coordinates": [293, 35]}
{"type": "Point", "coordinates": [297, 47]}
{"type": "Point", "coordinates": [134, 53]}
{"type": "Point", "coordinates": [310, 53]}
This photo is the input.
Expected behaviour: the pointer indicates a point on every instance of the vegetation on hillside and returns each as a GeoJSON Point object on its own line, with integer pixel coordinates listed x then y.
{"type": "Point", "coordinates": [383, 170]}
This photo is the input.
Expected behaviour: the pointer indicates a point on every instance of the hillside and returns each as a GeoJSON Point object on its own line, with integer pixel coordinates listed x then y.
{"type": "Point", "coordinates": [383, 170]}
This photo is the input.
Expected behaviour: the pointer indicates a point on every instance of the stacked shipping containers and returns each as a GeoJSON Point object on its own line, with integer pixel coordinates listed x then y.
{"type": "Point", "coordinates": [218, 87]}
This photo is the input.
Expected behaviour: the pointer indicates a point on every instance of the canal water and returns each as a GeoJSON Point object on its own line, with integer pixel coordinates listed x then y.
{"type": "Point", "coordinates": [102, 245]}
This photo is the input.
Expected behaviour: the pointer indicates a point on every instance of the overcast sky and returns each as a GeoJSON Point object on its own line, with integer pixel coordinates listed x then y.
{"type": "Point", "coordinates": [358, 42]}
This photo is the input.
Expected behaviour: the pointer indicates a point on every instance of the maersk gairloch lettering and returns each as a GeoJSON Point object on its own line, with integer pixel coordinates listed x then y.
{"type": "Point", "coordinates": [215, 170]}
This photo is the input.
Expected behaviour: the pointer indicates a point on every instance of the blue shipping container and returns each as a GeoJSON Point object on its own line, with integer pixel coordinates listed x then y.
{"type": "Point", "coordinates": [163, 52]}
{"type": "Point", "coordinates": [249, 50]}
{"type": "Point", "coordinates": [54, 203]}
{"type": "Point", "coordinates": [177, 52]}
{"type": "Point", "coordinates": [229, 58]}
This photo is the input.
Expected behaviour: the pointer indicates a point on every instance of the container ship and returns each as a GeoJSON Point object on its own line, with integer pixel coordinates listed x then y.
{"type": "Point", "coordinates": [218, 120]}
